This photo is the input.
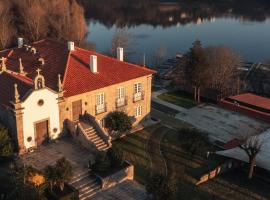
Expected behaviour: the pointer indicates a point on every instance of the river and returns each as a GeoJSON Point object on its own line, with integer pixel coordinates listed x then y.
{"type": "Point", "coordinates": [174, 26]}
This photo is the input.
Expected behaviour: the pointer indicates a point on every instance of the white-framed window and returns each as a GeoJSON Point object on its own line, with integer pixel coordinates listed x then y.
{"type": "Point", "coordinates": [100, 103]}
{"type": "Point", "coordinates": [137, 88]}
{"type": "Point", "coordinates": [100, 99]}
{"type": "Point", "coordinates": [121, 93]}
{"type": "Point", "coordinates": [138, 111]}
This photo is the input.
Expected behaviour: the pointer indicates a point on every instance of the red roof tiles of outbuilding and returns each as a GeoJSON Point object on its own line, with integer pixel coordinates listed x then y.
{"type": "Point", "coordinates": [253, 99]}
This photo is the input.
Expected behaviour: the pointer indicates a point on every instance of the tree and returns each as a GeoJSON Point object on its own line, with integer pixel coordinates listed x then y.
{"type": "Point", "coordinates": [51, 176]}
{"type": "Point", "coordinates": [122, 38]}
{"type": "Point", "coordinates": [193, 141]}
{"type": "Point", "coordinates": [223, 68]}
{"type": "Point", "coordinates": [66, 21]}
{"type": "Point", "coordinates": [63, 170]}
{"type": "Point", "coordinates": [24, 183]}
{"type": "Point", "coordinates": [6, 27]}
{"type": "Point", "coordinates": [118, 122]}
{"type": "Point", "coordinates": [159, 187]}
{"type": "Point", "coordinates": [6, 143]}
{"type": "Point", "coordinates": [34, 18]}
{"type": "Point", "coordinates": [252, 146]}
{"type": "Point", "coordinates": [195, 68]}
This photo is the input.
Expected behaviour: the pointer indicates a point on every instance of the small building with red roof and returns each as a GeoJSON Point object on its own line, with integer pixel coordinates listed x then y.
{"type": "Point", "coordinates": [46, 86]}
{"type": "Point", "coordinates": [249, 104]}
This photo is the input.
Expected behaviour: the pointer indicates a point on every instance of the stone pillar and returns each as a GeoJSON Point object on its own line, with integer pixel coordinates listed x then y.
{"type": "Point", "coordinates": [19, 127]}
{"type": "Point", "coordinates": [62, 110]}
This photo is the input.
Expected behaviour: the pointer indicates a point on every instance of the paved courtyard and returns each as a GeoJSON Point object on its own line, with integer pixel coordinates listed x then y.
{"type": "Point", "coordinates": [49, 154]}
{"type": "Point", "coordinates": [222, 125]}
{"type": "Point", "coordinates": [127, 190]}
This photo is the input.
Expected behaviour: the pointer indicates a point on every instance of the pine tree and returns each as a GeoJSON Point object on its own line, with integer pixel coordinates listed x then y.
{"type": "Point", "coordinates": [195, 68]}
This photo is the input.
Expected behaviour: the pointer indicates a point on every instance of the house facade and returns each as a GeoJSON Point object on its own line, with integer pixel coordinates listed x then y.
{"type": "Point", "coordinates": [46, 83]}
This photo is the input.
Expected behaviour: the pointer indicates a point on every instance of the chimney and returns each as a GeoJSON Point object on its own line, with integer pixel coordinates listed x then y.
{"type": "Point", "coordinates": [120, 53]}
{"type": "Point", "coordinates": [93, 63]}
{"type": "Point", "coordinates": [71, 46]}
{"type": "Point", "coordinates": [20, 42]}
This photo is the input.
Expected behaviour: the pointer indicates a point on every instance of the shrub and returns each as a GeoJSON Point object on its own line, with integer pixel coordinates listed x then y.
{"type": "Point", "coordinates": [59, 174]}
{"type": "Point", "coordinates": [193, 141]}
{"type": "Point", "coordinates": [107, 161]}
{"type": "Point", "coordinates": [6, 143]}
{"type": "Point", "coordinates": [159, 187]}
{"type": "Point", "coordinates": [102, 162]}
{"type": "Point", "coordinates": [119, 122]}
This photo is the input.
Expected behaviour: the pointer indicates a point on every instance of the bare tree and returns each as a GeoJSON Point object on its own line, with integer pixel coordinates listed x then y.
{"type": "Point", "coordinates": [252, 146]}
{"type": "Point", "coordinates": [66, 21]}
{"type": "Point", "coordinates": [6, 29]}
{"type": "Point", "coordinates": [34, 18]}
{"type": "Point", "coordinates": [122, 38]}
{"type": "Point", "coordinates": [223, 68]}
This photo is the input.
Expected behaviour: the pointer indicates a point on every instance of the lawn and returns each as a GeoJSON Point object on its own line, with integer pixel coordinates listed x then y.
{"type": "Point", "coordinates": [181, 166]}
{"type": "Point", "coordinates": [134, 148]}
{"type": "Point", "coordinates": [230, 185]}
{"type": "Point", "coordinates": [179, 98]}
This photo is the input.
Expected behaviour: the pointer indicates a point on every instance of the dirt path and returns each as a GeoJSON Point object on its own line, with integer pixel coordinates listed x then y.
{"type": "Point", "coordinates": [158, 162]}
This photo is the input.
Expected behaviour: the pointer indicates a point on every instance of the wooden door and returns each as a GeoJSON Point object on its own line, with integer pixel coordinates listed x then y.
{"type": "Point", "coordinates": [42, 132]}
{"type": "Point", "coordinates": [76, 110]}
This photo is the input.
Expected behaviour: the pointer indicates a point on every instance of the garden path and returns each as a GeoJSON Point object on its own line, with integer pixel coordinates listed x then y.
{"type": "Point", "coordinates": [158, 162]}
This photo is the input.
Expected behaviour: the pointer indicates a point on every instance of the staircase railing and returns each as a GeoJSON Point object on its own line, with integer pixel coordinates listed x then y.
{"type": "Point", "coordinates": [92, 121]}
{"type": "Point", "coordinates": [81, 135]}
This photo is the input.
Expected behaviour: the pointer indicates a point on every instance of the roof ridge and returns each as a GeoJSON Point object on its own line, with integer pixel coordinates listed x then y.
{"type": "Point", "coordinates": [114, 59]}
{"type": "Point", "coordinates": [66, 68]}
{"type": "Point", "coordinates": [20, 78]}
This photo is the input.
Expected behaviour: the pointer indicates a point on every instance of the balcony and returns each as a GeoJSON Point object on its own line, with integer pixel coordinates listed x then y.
{"type": "Point", "coordinates": [138, 96]}
{"type": "Point", "coordinates": [121, 102]}
{"type": "Point", "coordinates": [101, 109]}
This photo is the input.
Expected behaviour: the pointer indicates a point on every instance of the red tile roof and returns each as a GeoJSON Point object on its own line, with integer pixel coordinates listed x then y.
{"type": "Point", "coordinates": [253, 99]}
{"type": "Point", "coordinates": [73, 66]}
{"type": "Point", "coordinates": [7, 82]}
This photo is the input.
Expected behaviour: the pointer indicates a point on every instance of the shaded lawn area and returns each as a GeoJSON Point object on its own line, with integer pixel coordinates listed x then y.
{"type": "Point", "coordinates": [230, 185]}
{"type": "Point", "coordinates": [134, 150]}
{"type": "Point", "coordinates": [181, 166]}
{"type": "Point", "coordinates": [179, 98]}
{"type": "Point", "coordinates": [164, 109]}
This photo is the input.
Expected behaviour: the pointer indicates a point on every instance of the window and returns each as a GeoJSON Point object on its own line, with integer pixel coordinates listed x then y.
{"type": "Point", "coordinates": [121, 93]}
{"type": "Point", "coordinates": [137, 88]}
{"type": "Point", "coordinates": [138, 111]}
{"type": "Point", "coordinates": [40, 102]}
{"type": "Point", "coordinates": [100, 99]}
{"type": "Point", "coordinates": [100, 103]}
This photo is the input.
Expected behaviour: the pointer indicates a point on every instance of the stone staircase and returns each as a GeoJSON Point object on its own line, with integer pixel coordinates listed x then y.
{"type": "Point", "coordinates": [92, 135]}
{"type": "Point", "coordinates": [86, 184]}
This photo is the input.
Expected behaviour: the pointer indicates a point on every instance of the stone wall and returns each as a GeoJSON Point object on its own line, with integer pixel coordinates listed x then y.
{"type": "Point", "coordinates": [118, 177]}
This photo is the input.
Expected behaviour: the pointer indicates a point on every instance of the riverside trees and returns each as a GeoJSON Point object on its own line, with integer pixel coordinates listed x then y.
{"type": "Point", "coordinates": [214, 67]}
{"type": "Point", "coordinates": [33, 20]}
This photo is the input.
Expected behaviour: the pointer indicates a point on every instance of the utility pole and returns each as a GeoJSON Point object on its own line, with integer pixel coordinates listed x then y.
{"type": "Point", "coordinates": [144, 59]}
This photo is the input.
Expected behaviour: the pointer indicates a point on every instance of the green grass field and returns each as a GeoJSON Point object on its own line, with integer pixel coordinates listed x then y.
{"type": "Point", "coordinates": [181, 167]}
{"type": "Point", "coordinates": [179, 98]}
{"type": "Point", "coordinates": [134, 148]}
